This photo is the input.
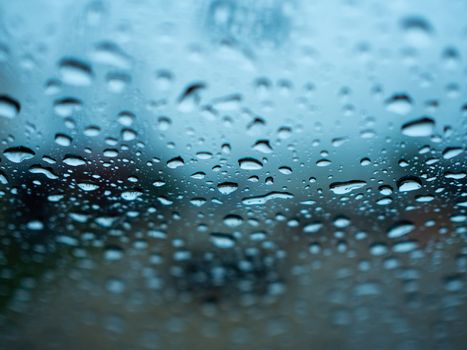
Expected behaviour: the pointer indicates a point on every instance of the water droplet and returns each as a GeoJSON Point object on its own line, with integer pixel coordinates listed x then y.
{"type": "Point", "coordinates": [365, 161]}
{"type": "Point", "coordinates": [3, 178]}
{"type": "Point", "coordinates": [452, 152]}
{"type": "Point", "coordinates": [323, 162]}
{"type": "Point", "coordinates": [198, 176]}
{"type": "Point", "coordinates": [35, 225]}
{"type": "Point", "coordinates": [9, 107]}
{"type": "Point", "coordinates": [347, 186]}
{"type": "Point", "coordinates": [66, 107]}
{"type": "Point", "coordinates": [262, 146]}
{"type": "Point", "coordinates": [227, 103]}
{"type": "Point", "coordinates": [258, 200]}
{"type": "Point", "coordinates": [418, 31]}
{"type": "Point", "coordinates": [92, 131]}
{"type": "Point", "coordinates": [163, 123]}
{"type": "Point", "coordinates": [198, 201]}
{"type": "Point", "coordinates": [424, 199]}
{"type": "Point", "coordinates": [341, 222]}
{"type": "Point", "coordinates": [204, 155]}
{"type": "Point", "coordinates": [110, 54]}
{"type": "Point", "coordinates": [158, 183]}
{"type": "Point", "coordinates": [404, 246]}
{"type": "Point", "coordinates": [312, 227]}
{"type": "Point", "coordinates": [285, 170]}
{"type": "Point", "coordinates": [409, 183]}
{"type": "Point", "coordinates": [175, 162]}
{"type": "Point", "coordinates": [233, 220]}
{"type": "Point", "coordinates": [419, 127]}
{"type": "Point", "coordinates": [399, 104]}
{"type": "Point", "coordinates": [455, 176]}
{"type": "Point", "coordinates": [88, 186]}
{"type": "Point", "coordinates": [18, 154]}
{"type": "Point", "coordinates": [113, 253]}
{"type": "Point", "coordinates": [63, 140]}
{"type": "Point", "coordinates": [131, 195]}
{"type": "Point", "coordinates": [129, 135]}
{"type": "Point", "coordinates": [117, 82]}
{"type": "Point", "coordinates": [227, 187]}
{"type": "Point", "coordinates": [223, 240]}
{"type": "Point", "coordinates": [110, 153]}
{"type": "Point", "coordinates": [115, 286]}
{"type": "Point", "coordinates": [74, 160]}
{"type": "Point", "coordinates": [191, 97]}
{"type": "Point", "coordinates": [339, 141]}
{"type": "Point", "coordinates": [38, 169]}
{"type": "Point", "coordinates": [55, 197]}
{"type": "Point", "coordinates": [284, 132]}
{"type": "Point", "coordinates": [74, 72]}
{"type": "Point", "coordinates": [400, 229]}
{"type": "Point", "coordinates": [250, 164]}
{"type": "Point", "coordinates": [125, 118]}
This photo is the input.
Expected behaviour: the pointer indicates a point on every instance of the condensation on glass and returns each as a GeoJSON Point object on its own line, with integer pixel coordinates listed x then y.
{"type": "Point", "coordinates": [233, 174]}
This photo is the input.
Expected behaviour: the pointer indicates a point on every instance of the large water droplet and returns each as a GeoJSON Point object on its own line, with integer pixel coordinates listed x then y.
{"type": "Point", "coordinates": [262, 146]}
{"type": "Point", "coordinates": [88, 186]}
{"type": "Point", "coordinates": [74, 160]}
{"type": "Point", "coordinates": [400, 229]}
{"type": "Point", "coordinates": [346, 187]}
{"type": "Point", "coordinates": [222, 240]}
{"type": "Point", "coordinates": [409, 183]}
{"type": "Point", "coordinates": [227, 187]}
{"type": "Point", "coordinates": [131, 195]}
{"type": "Point", "coordinates": [38, 169]}
{"type": "Point", "coordinates": [190, 98]}
{"type": "Point", "coordinates": [175, 163]}
{"type": "Point", "coordinates": [74, 72]}
{"type": "Point", "coordinates": [258, 200]}
{"type": "Point", "coordinates": [110, 54]}
{"type": "Point", "coordinates": [18, 154]}
{"type": "Point", "coordinates": [399, 104]}
{"type": "Point", "coordinates": [250, 164]}
{"type": "Point", "coordinates": [419, 127]}
{"type": "Point", "coordinates": [452, 152]}
{"type": "Point", "coordinates": [418, 31]}
{"type": "Point", "coordinates": [9, 107]}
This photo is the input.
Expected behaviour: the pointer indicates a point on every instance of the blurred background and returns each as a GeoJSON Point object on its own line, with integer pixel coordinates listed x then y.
{"type": "Point", "coordinates": [222, 174]}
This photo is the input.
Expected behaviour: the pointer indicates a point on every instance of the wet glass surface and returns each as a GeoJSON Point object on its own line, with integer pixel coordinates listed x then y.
{"type": "Point", "coordinates": [233, 174]}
